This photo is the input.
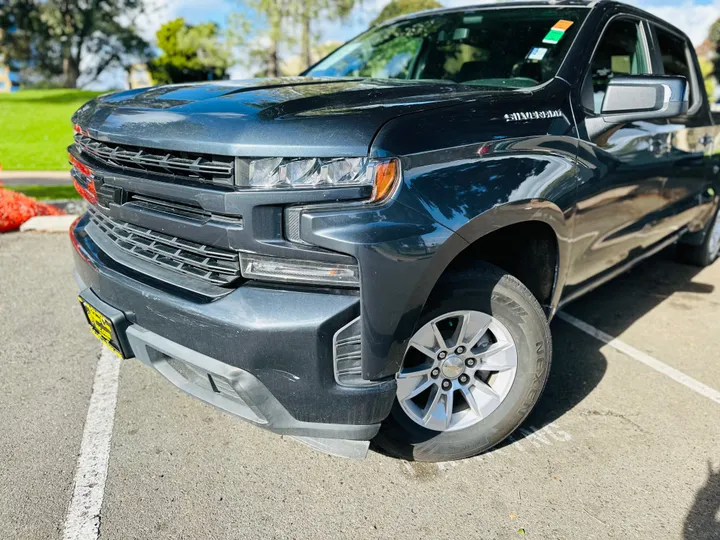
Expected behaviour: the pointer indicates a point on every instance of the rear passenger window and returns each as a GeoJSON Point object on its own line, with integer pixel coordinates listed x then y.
{"type": "Point", "coordinates": [675, 58]}
{"type": "Point", "coordinates": [621, 52]}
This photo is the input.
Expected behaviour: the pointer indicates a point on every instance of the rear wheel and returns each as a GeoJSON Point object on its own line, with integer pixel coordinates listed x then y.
{"type": "Point", "coordinates": [706, 253]}
{"type": "Point", "coordinates": [473, 370]}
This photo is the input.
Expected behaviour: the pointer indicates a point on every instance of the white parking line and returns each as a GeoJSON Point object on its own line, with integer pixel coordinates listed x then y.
{"type": "Point", "coordinates": [548, 435]}
{"type": "Point", "coordinates": [632, 352]}
{"type": "Point", "coordinates": [83, 517]}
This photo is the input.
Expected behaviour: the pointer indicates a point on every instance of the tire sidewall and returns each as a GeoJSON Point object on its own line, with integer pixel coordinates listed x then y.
{"type": "Point", "coordinates": [711, 257]}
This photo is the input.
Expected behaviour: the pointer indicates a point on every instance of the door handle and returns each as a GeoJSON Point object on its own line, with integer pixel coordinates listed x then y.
{"type": "Point", "coordinates": [707, 140]}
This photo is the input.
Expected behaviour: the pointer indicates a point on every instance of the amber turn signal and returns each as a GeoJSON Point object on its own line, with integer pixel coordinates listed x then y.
{"type": "Point", "coordinates": [387, 174]}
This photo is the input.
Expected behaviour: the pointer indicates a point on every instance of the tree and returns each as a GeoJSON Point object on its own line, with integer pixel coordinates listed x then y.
{"type": "Point", "coordinates": [262, 40]}
{"type": "Point", "coordinates": [14, 42]}
{"type": "Point", "coordinates": [714, 37]}
{"type": "Point", "coordinates": [294, 65]}
{"type": "Point", "coordinates": [249, 43]}
{"type": "Point", "coordinates": [22, 45]}
{"type": "Point", "coordinates": [57, 37]}
{"type": "Point", "coordinates": [190, 53]}
{"type": "Point", "coordinates": [708, 74]}
{"type": "Point", "coordinates": [280, 22]}
{"type": "Point", "coordinates": [402, 7]}
{"type": "Point", "coordinates": [308, 11]}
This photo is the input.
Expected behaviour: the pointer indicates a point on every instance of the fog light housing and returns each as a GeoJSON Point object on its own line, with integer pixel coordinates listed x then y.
{"type": "Point", "coordinates": [347, 358]}
{"type": "Point", "coordinates": [266, 268]}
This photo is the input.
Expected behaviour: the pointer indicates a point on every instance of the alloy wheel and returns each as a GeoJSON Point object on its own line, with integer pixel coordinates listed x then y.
{"type": "Point", "coordinates": [714, 244]}
{"type": "Point", "coordinates": [458, 369]}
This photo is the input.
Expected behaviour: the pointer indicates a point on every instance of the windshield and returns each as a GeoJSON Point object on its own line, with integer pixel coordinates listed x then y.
{"type": "Point", "coordinates": [512, 47]}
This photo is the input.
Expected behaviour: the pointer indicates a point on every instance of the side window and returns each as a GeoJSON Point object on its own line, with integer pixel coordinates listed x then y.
{"type": "Point", "coordinates": [621, 51]}
{"type": "Point", "coordinates": [675, 58]}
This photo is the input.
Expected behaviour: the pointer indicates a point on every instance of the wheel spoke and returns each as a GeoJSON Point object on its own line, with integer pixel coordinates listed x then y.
{"type": "Point", "coordinates": [430, 409]}
{"type": "Point", "coordinates": [470, 399]}
{"type": "Point", "coordinates": [485, 397]}
{"type": "Point", "coordinates": [438, 336]}
{"type": "Point", "coordinates": [410, 386]}
{"type": "Point", "coordinates": [417, 371]}
{"type": "Point", "coordinates": [448, 408]}
{"type": "Point", "coordinates": [462, 329]}
{"type": "Point", "coordinates": [499, 357]}
{"type": "Point", "coordinates": [423, 349]}
{"type": "Point", "coordinates": [480, 325]}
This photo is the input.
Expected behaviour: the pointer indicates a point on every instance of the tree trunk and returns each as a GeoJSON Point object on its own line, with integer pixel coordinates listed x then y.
{"type": "Point", "coordinates": [71, 71]}
{"type": "Point", "coordinates": [306, 39]}
{"type": "Point", "coordinates": [273, 61]}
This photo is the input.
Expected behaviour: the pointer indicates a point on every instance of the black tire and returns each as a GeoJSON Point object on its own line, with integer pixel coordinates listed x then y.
{"type": "Point", "coordinates": [491, 290]}
{"type": "Point", "coordinates": [704, 254]}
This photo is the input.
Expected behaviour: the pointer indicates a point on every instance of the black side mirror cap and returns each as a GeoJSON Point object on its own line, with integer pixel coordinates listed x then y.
{"type": "Point", "coordinates": [645, 97]}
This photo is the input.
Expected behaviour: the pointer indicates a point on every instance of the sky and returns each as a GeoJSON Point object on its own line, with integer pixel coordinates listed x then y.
{"type": "Point", "coordinates": [694, 17]}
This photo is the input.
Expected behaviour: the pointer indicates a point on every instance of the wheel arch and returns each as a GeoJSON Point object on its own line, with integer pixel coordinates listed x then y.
{"type": "Point", "coordinates": [540, 218]}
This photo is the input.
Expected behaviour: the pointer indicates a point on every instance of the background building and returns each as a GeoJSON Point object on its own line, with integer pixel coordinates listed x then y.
{"type": "Point", "coordinates": [9, 80]}
{"type": "Point", "coordinates": [139, 76]}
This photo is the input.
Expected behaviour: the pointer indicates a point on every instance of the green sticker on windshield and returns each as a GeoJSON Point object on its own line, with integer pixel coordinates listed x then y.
{"type": "Point", "coordinates": [553, 37]}
{"type": "Point", "coordinates": [557, 32]}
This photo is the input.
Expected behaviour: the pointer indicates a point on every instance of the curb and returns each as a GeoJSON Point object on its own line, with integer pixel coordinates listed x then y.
{"type": "Point", "coordinates": [49, 224]}
{"type": "Point", "coordinates": [47, 178]}
{"type": "Point", "coordinates": [70, 206]}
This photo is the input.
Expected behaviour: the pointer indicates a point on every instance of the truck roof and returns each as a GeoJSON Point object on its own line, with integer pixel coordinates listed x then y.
{"type": "Point", "coordinates": [500, 4]}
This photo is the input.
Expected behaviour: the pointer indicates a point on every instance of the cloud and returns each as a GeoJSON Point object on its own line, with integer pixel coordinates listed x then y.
{"type": "Point", "coordinates": [156, 13]}
{"type": "Point", "coordinates": [691, 17]}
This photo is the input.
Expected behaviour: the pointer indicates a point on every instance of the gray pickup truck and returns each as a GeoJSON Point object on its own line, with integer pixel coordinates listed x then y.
{"type": "Point", "coordinates": [374, 250]}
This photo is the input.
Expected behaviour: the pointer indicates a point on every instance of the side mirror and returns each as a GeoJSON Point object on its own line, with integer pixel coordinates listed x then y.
{"type": "Point", "coordinates": [646, 97]}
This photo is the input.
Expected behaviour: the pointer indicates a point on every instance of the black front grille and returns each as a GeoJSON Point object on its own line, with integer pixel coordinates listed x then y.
{"type": "Point", "coordinates": [183, 210]}
{"type": "Point", "coordinates": [217, 266]}
{"type": "Point", "coordinates": [218, 170]}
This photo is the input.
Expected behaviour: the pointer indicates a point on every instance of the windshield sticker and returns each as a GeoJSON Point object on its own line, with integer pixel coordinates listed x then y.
{"type": "Point", "coordinates": [537, 53]}
{"type": "Point", "coordinates": [563, 25]}
{"type": "Point", "coordinates": [557, 32]}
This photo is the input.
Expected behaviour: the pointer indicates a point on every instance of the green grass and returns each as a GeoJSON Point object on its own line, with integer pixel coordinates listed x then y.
{"type": "Point", "coordinates": [47, 193]}
{"type": "Point", "coordinates": [35, 128]}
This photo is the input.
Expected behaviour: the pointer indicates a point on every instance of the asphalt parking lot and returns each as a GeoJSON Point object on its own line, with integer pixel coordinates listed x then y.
{"type": "Point", "coordinates": [615, 449]}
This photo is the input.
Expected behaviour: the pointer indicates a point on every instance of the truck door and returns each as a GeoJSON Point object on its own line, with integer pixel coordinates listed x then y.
{"type": "Point", "coordinates": [687, 145]}
{"type": "Point", "coordinates": [621, 171]}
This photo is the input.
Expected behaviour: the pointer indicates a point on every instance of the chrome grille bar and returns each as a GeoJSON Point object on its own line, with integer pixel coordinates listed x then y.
{"type": "Point", "coordinates": [213, 265]}
{"type": "Point", "coordinates": [214, 169]}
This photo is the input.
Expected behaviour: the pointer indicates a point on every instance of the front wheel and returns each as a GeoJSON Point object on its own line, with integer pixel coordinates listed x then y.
{"type": "Point", "coordinates": [473, 370]}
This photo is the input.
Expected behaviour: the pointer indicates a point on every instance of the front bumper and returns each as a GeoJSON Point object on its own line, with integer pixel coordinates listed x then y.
{"type": "Point", "coordinates": [267, 350]}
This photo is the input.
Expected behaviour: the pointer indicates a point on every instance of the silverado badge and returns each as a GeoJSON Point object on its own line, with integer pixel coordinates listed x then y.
{"type": "Point", "coordinates": [532, 115]}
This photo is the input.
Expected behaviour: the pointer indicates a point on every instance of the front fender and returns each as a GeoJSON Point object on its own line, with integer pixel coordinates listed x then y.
{"type": "Point", "coordinates": [478, 189]}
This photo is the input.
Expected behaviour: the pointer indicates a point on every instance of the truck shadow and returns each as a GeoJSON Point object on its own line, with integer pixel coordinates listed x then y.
{"type": "Point", "coordinates": [578, 364]}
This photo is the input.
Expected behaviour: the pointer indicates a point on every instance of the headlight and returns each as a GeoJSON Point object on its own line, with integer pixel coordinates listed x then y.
{"type": "Point", "coordinates": [320, 173]}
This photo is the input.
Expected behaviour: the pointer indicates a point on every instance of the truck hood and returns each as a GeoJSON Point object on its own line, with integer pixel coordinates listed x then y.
{"type": "Point", "coordinates": [288, 117]}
